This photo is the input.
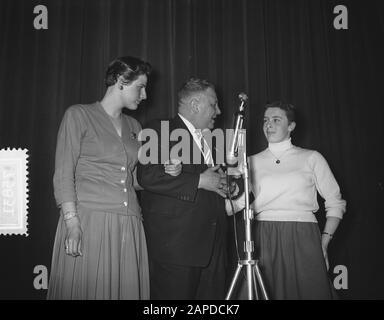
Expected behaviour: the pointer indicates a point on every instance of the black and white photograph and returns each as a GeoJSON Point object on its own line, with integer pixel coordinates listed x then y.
{"type": "Point", "coordinates": [200, 151]}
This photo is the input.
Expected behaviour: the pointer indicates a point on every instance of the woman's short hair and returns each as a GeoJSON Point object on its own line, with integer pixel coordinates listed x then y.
{"type": "Point", "coordinates": [192, 86]}
{"type": "Point", "coordinates": [129, 68]}
{"type": "Point", "coordinates": [289, 109]}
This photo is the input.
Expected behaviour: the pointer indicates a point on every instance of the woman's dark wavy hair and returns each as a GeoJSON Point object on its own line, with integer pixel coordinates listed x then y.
{"type": "Point", "coordinates": [130, 68]}
{"type": "Point", "coordinates": [289, 109]}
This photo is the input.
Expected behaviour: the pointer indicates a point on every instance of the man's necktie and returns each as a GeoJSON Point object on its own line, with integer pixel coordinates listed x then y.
{"type": "Point", "coordinates": [206, 150]}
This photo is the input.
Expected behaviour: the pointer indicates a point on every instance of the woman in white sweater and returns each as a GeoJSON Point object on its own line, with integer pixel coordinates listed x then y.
{"type": "Point", "coordinates": [285, 180]}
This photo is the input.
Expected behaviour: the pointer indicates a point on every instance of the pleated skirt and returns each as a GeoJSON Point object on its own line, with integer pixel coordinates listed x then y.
{"type": "Point", "coordinates": [114, 264]}
{"type": "Point", "coordinates": [291, 260]}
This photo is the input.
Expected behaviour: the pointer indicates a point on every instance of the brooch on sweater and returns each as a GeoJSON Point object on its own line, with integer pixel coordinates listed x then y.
{"type": "Point", "coordinates": [133, 136]}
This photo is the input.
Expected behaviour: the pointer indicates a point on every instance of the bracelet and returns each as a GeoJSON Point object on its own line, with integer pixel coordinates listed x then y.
{"type": "Point", "coordinates": [69, 215]}
{"type": "Point", "coordinates": [330, 234]}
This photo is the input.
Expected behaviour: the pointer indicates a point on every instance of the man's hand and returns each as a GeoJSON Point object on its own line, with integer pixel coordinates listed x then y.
{"type": "Point", "coordinates": [173, 167]}
{"type": "Point", "coordinates": [238, 205]}
{"type": "Point", "coordinates": [214, 180]}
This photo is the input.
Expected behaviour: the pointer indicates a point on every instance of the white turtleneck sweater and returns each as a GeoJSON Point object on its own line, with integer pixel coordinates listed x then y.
{"type": "Point", "coordinates": [287, 191]}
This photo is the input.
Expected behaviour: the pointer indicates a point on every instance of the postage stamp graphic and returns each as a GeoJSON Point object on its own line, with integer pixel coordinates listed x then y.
{"type": "Point", "coordinates": [13, 192]}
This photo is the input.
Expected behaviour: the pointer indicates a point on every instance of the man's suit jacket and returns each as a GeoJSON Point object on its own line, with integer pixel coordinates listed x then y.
{"type": "Point", "coordinates": [180, 220]}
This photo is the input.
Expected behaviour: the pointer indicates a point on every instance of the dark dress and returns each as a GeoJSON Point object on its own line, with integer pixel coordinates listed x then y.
{"type": "Point", "coordinates": [96, 168]}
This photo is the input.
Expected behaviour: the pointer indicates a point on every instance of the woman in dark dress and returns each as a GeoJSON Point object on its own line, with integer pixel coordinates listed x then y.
{"type": "Point", "coordinates": [100, 250]}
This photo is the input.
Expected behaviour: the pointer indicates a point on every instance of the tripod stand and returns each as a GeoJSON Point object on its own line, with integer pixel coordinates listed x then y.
{"type": "Point", "coordinates": [253, 274]}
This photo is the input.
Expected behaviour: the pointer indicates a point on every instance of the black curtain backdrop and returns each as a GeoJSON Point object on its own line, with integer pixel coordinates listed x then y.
{"type": "Point", "coordinates": [271, 49]}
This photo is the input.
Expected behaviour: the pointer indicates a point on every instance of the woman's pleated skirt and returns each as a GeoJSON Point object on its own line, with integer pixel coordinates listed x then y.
{"type": "Point", "coordinates": [114, 264]}
{"type": "Point", "coordinates": [291, 260]}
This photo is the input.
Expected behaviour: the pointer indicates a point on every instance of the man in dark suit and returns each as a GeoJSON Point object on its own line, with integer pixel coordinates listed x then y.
{"type": "Point", "coordinates": [184, 214]}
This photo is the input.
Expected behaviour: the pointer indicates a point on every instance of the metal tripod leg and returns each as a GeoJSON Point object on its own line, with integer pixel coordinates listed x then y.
{"type": "Point", "coordinates": [250, 282]}
{"type": "Point", "coordinates": [255, 284]}
{"type": "Point", "coordinates": [234, 280]}
{"type": "Point", "coordinates": [260, 280]}
{"type": "Point", "coordinates": [254, 279]}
